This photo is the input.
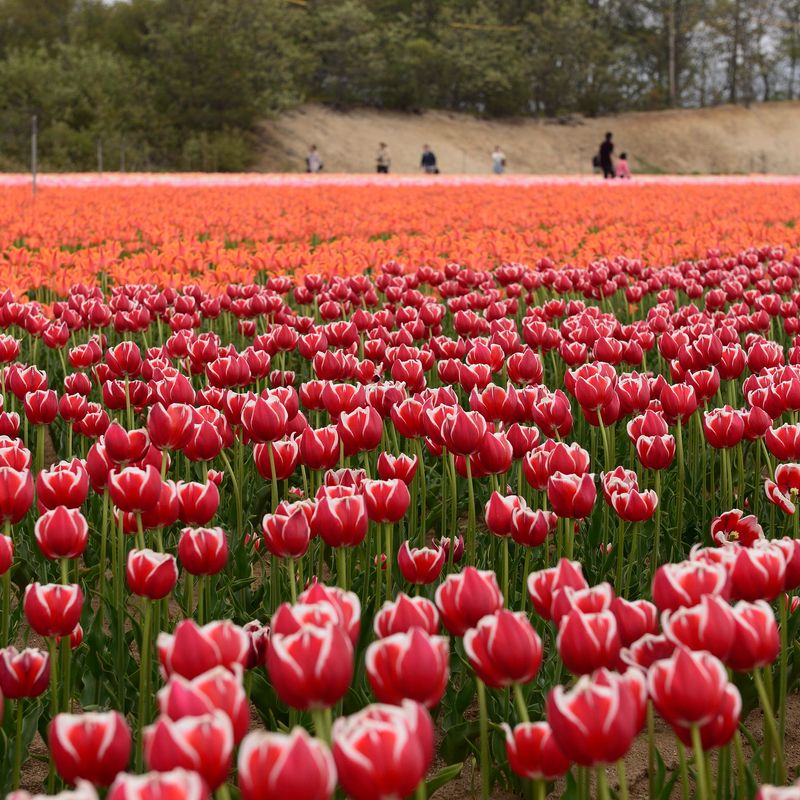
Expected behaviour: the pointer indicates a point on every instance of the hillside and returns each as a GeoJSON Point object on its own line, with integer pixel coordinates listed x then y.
{"type": "Point", "coordinates": [726, 139]}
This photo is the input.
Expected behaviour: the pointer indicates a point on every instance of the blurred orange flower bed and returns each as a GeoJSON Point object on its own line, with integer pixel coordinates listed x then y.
{"type": "Point", "coordinates": [216, 235]}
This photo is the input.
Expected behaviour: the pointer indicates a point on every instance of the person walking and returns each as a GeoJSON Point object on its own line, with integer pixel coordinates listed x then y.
{"type": "Point", "coordinates": [313, 160]}
{"type": "Point", "coordinates": [383, 159]}
{"type": "Point", "coordinates": [621, 168]}
{"type": "Point", "coordinates": [428, 161]}
{"type": "Point", "coordinates": [606, 149]}
{"type": "Point", "coordinates": [498, 160]}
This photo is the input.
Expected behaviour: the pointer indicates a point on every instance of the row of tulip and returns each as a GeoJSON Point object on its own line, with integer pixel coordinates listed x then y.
{"type": "Point", "coordinates": [299, 453]}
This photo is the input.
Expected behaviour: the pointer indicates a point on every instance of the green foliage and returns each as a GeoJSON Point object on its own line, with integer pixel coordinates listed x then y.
{"type": "Point", "coordinates": [182, 84]}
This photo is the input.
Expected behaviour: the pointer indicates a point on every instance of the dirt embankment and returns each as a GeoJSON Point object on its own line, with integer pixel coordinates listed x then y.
{"type": "Point", "coordinates": [727, 139]}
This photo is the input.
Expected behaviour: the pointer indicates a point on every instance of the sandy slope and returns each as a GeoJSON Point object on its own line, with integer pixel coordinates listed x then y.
{"type": "Point", "coordinates": [728, 139]}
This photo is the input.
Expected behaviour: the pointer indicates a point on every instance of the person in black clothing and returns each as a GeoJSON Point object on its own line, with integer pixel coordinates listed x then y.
{"type": "Point", "coordinates": [428, 161]}
{"type": "Point", "coordinates": [606, 149]}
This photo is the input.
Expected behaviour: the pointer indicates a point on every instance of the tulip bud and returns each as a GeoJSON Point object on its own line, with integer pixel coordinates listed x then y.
{"type": "Point", "coordinates": [503, 649]}
{"type": "Point", "coordinates": [93, 746]}
{"type": "Point", "coordinates": [383, 751]}
{"type": "Point", "coordinates": [463, 598]}
{"type": "Point", "coordinates": [202, 744]}
{"type": "Point", "coordinates": [177, 784]}
{"type": "Point", "coordinates": [412, 665]}
{"type": "Point", "coordinates": [280, 765]}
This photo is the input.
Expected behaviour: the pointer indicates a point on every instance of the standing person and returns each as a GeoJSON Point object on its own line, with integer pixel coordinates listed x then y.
{"type": "Point", "coordinates": [606, 149]}
{"type": "Point", "coordinates": [313, 160]}
{"type": "Point", "coordinates": [383, 159]}
{"type": "Point", "coordinates": [428, 161]}
{"type": "Point", "coordinates": [498, 160]}
{"type": "Point", "coordinates": [622, 168]}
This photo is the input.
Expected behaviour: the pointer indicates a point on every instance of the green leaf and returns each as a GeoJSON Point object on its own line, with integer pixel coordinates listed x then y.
{"type": "Point", "coordinates": [443, 776]}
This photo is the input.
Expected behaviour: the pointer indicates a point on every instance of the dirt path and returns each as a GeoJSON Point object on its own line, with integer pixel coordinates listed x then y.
{"type": "Point", "coordinates": [732, 139]}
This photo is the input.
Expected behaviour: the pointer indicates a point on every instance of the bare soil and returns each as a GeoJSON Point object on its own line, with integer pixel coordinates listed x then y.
{"type": "Point", "coordinates": [763, 138]}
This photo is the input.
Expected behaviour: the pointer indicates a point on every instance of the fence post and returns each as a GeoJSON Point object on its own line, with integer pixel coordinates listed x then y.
{"type": "Point", "coordinates": [34, 146]}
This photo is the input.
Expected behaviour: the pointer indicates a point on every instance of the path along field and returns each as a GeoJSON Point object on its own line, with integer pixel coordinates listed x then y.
{"type": "Point", "coordinates": [490, 486]}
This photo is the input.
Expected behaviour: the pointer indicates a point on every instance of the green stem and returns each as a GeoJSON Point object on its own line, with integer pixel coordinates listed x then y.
{"type": "Point", "coordinates": [422, 791]}
{"type": "Point", "coordinates": [651, 750]}
{"type": "Point", "coordinates": [144, 676]}
{"type": "Point", "coordinates": [237, 494]}
{"type": "Point", "coordinates": [684, 770]}
{"type": "Point", "coordinates": [681, 481]}
{"type": "Point", "coordinates": [484, 729]}
{"type": "Point", "coordinates": [622, 777]}
{"type": "Point", "coordinates": [522, 706]}
{"type": "Point", "coordinates": [505, 569]}
{"type": "Point", "coordinates": [620, 553]}
{"type": "Point", "coordinates": [602, 784]}
{"type": "Point", "coordinates": [783, 668]}
{"type": "Point", "coordinates": [770, 728]}
{"type": "Point", "coordinates": [292, 583]}
{"type": "Point", "coordinates": [341, 567]}
{"type": "Point", "coordinates": [657, 533]}
{"type": "Point", "coordinates": [18, 744]}
{"type": "Point", "coordinates": [470, 515]}
{"type": "Point", "coordinates": [700, 764]}
{"type": "Point", "coordinates": [389, 561]}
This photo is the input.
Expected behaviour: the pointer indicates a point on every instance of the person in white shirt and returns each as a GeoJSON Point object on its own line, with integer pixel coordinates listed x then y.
{"type": "Point", "coordinates": [313, 160]}
{"type": "Point", "coordinates": [498, 160]}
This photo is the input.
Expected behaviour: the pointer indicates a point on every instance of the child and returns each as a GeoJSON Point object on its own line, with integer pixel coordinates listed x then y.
{"type": "Point", "coordinates": [623, 170]}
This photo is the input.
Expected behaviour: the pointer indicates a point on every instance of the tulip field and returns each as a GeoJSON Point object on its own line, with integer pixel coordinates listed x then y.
{"type": "Point", "coordinates": [443, 488]}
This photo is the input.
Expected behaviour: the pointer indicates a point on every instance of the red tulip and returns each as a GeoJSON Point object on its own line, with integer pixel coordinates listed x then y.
{"type": "Point", "coordinates": [193, 650]}
{"type": "Point", "coordinates": [25, 673]}
{"type": "Point", "coordinates": [412, 666]}
{"type": "Point", "coordinates": [784, 442]}
{"type": "Point", "coordinates": [94, 746]}
{"type": "Point", "coordinates": [386, 501]}
{"type": "Point", "coordinates": [264, 418]}
{"type": "Point", "coordinates": [755, 637]}
{"type": "Point", "coordinates": [706, 626]}
{"type": "Point", "coordinates": [286, 536]}
{"type": "Point", "coordinates": [420, 565]}
{"type": "Point", "coordinates": [635, 619]}
{"type": "Point", "coordinates": [595, 722]}
{"type": "Point", "coordinates": [498, 512]}
{"type": "Point", "coordinates": [345, 604]}
{"type": "Point", "coordinates": [542, 585]}
{"type": "Point", "coordinates": [135, 489]}
{"type": "Point", "coordinates": [215, 690]}
{"type": "Point", "coordinates": [503, 648]}
{"type": "Point", "coordinates": [53, 609]}
{"type": "Point", "coordinates": [723, 427]}
{"type": "Point", "coordinates": [688, 687]}
{"type": "Point", "coordinates": [656, 452]}
{"type": "Point", "coordinates": [530, 527]}
{"type": "Point", "coordinates": [465, 597]}
{"type": "Point", "coordinates": [533, 752]}
{"type": "Point", "coordinates": [61, 533]}
{"type": "Point", "coordinates": [340, 517]}
{"type": "Point", "coordinates": [319, 449]}
{"type": "Point", "coordinates": [170, 427]}
{"type": "Point", "coordinates": [40, 406]}
{"type": "Point", "coordinates": [587, 642]}
{"type": "Point", "coordinates": [64, 484]}
{"type": "Point", "coordinates": [405, 613]}
{"type": "Point", "coordinates": [360, 430]}
{"type": "Point", "coordinates": [402, 467]}
{"type": "Point", "coordinates": [589, 600]}
{"type": "Point", "coordinates": [285, 455]}
{"type": "Point", "coordinates": [177, 784]}
{"type": "Point", "coordinates": [203, 551]}
{"type": "Point", "coordinates": [684, 584]}
{"type": "Point", "coordinates": [150, 574]}
{"type": "Point", "coordinates": [718, 731]}
{"type": "Point", "coordinates": [16, 493]}
{"type": "Point", "coordinates": [197, 502]}
{"type": "Point", "coordinates": [201, 744]}
{"type": "Point", "coordinates": [734, 527]}
{"type": "Point", "coordinates": [757, 573]}
{"type": "Point", "coordinates": [635, 506]}
{"type": "Point", "coordinates": [273, 765]}
{"type": "Point", "coordinates": [311, 668]}
{"type": "Point", "coordinates": [383, 751]}
{"type": "Point", "coordinates": [571, 496]}
{"type": "Point", "coordinates": [679, 401]}
{"type": "Point", "coordinates": [123, 446]}
{"type": "Point", "coordinates": [463, 431]}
